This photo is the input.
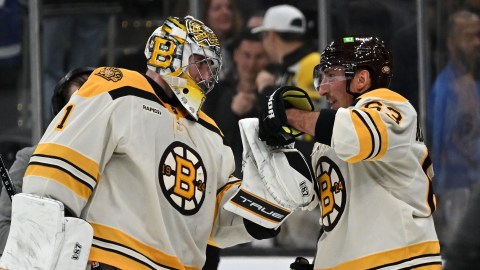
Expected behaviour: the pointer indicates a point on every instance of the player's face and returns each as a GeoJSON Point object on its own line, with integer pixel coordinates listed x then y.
{"type": "Point", "coordinates": [250, 58]}
{"type": "Point", "coordinates": [332, 84]}
{"type": "Point", "coordinates": [203, 71]}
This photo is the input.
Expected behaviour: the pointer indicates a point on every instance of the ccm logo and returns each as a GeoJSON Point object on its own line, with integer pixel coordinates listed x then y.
{"type": "Point", "coordinates": [260, 208]}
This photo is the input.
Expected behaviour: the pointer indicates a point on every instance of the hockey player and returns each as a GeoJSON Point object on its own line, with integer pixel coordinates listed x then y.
{"type": "Point", "coordinates": [134, 156]}
{"type": "Point", "coordinates": [370, 161]}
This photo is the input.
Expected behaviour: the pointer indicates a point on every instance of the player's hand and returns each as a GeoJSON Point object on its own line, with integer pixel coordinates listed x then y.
{"type": "Point", "coordinates": [273, 125]}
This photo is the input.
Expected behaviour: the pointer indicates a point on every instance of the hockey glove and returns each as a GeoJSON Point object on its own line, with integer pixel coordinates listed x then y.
{"type": "Point", "coordinates": [273, 185]}
{"type": "Point", "coordinates": [274, 128]}
{"type": "Point", "coordinates": [301, 264]}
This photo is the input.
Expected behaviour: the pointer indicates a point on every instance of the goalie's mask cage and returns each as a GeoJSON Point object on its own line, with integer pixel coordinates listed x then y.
{"type": "Point", "coordinates": [170, 52]}
{"type": "Point", "coordinates": [60, 93]}
{"type": "Point", "coordinates": [354, 53]}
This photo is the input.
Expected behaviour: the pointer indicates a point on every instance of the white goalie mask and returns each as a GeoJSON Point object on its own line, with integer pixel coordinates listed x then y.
{"type": "Point", "coordinates": [178, 49]}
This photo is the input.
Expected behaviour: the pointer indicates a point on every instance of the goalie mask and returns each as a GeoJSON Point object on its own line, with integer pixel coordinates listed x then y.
{"type": "Point", "coordinates": [178, 47]}
{"type": "Point", "coordinates": [353, 53]}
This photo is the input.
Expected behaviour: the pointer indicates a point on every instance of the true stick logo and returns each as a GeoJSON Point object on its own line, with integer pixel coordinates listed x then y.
{"type": "Point", "coordinates": [262, 208]}
{"type": "Point", "coordinates": [271, 114]}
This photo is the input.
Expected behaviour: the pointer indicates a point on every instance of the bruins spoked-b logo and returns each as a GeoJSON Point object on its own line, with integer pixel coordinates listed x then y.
{"type": "Point", "coordinates": [332, 192]}
{"type": "Point", "coordinates": [183, 178]}
{"type": "Point", "coordinates": [110, 74]}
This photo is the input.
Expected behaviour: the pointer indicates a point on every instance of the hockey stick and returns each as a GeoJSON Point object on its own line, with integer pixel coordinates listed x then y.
{"type": "Point", "coordinates": [6, 180]}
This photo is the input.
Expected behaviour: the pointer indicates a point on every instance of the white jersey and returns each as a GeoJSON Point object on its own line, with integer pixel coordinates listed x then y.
{"type": "Point", "coordinates": [376, 194]}
{"type": "Point", "coordinates": [149, 179]}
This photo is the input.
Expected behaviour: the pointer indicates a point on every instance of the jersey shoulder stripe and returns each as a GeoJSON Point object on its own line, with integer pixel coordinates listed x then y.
{"type": "Point", "coordinates": [385, 94]}
{"type": "Point", "coordinates": [105, 79]}
{"type": "Point", "coordinates": [133, 91]}
{"type": "Point", "coordinates": [209, 123]}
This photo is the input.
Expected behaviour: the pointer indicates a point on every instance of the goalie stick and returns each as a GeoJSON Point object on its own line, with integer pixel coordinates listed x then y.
{"type": "Point", "coordinates": [6, 180]}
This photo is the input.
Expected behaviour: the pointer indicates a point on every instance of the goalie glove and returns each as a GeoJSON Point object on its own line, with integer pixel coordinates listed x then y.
{"type": "Point", "coordinates": [274, 128]}
{"type": "Point", "coordinates": [271, 189]}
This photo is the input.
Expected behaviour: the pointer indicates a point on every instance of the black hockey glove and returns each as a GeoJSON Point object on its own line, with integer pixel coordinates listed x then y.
{"type": "Point", "coordinates": [301, 264]}
{"type": "Point", "coordinates": [274, 128]}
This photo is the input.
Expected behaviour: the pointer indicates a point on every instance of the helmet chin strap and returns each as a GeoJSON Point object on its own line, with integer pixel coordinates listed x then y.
{"type": "Point", "coordinates": [174, 81]}
{"type": "Point", "coordinates": [355, 95]}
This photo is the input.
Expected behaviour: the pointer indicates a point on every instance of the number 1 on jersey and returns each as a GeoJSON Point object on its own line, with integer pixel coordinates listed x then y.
{"type": "Point", "coordinates": [66, 114]}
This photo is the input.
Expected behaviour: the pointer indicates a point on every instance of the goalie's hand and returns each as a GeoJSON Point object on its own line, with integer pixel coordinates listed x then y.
{"type": "Point", "coordinates": [274, 128]}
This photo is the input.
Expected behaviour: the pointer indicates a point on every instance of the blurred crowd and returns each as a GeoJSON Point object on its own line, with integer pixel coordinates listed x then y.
{"type": "Point", "coordinates": [260, 54]}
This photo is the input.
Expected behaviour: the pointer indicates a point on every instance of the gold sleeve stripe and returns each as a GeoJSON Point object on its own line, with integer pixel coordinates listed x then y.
{"type": "Point", "coordinates": [384, 93]}
{"type": "Point", "coordinates": [220, 194]}
{"type": "Point", "coordinates": [213, 243]}
{"type": "Point", "coordinates": [428, 252]}
{"type": "Point", "coordinates": [381, 130]}
{"type": "Point", "coordinates": [74, 158]}
{"type": "Point", "coordinates": [78, 186]}
{"type": "Point", "coordinates": [365, 137]}
{"type": "Point", "coordinates": [112, 247]}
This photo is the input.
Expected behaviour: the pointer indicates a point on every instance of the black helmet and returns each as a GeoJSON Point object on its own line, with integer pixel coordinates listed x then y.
{"type": "Point", "coordinates": [59, 98]}
{"type": "Point", "coordinates": [359, 52]}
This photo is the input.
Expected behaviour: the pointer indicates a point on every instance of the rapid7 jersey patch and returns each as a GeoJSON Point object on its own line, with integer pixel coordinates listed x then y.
{"type": "Point", "coordinates": [183, 178]}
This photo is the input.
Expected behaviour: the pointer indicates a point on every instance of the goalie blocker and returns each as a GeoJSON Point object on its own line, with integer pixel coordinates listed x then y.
{"type": "Point", "coordinates": [272, 188]}
{"type": "Point", "coordinates": [42, 238]}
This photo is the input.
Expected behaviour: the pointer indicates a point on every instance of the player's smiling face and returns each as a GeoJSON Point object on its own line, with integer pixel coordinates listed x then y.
{"type": "Point", "coordinates": [332, 85]}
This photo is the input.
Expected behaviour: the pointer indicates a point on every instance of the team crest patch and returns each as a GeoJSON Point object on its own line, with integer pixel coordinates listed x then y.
{"type": "Point", "coordinates": [110, 74]}
{"type": "Point", "coordinates": [183, 178]}
{"type": "Point", "coordinates": [333, 195]}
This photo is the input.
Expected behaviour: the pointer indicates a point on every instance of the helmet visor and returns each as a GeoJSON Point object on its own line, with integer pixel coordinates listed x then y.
{"type": "Point", "coordinates": [327, 75]}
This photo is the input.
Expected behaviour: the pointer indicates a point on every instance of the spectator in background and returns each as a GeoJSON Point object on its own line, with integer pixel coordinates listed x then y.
{"type": "Point", "coordinates": [454, 122]}
{"type": "Point", "coordinates": [464, 250]}
{"type": "Point", "coordinates": [223, 17]}
{"type": "Point", "coordinates": [292, 62]}
{"type": "Point", "coordinates": [69, 41]}
{"type": "Point", "coordinates": [238, 96]}
{"type": "Point", "coordinates": [64, 89]}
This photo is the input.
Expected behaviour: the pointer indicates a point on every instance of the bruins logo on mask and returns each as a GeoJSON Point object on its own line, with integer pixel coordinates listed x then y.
{"type": "Point", "coordinates": [110, 74]}
{"type": "Point", "coordinates": [183, 178]}
{"type": "Point", "coordinates": [333, 195]}
{"type": "Point", "coordinates": [201, 33]}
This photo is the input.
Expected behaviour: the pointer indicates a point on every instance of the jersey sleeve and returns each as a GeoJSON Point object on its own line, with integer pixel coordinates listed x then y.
{"type": "Point", "coordinates": [228, 228]}
{"type": "Point", "coordinates": [383, 124]}
{"type": "Point", "coordinates": [71, 155]}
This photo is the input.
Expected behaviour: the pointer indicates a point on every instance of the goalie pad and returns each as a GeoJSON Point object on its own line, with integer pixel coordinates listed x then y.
{"type": "Point", "coordinates": [42, 238]}
{"type": "Point", "coordinates": [271, 188]}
